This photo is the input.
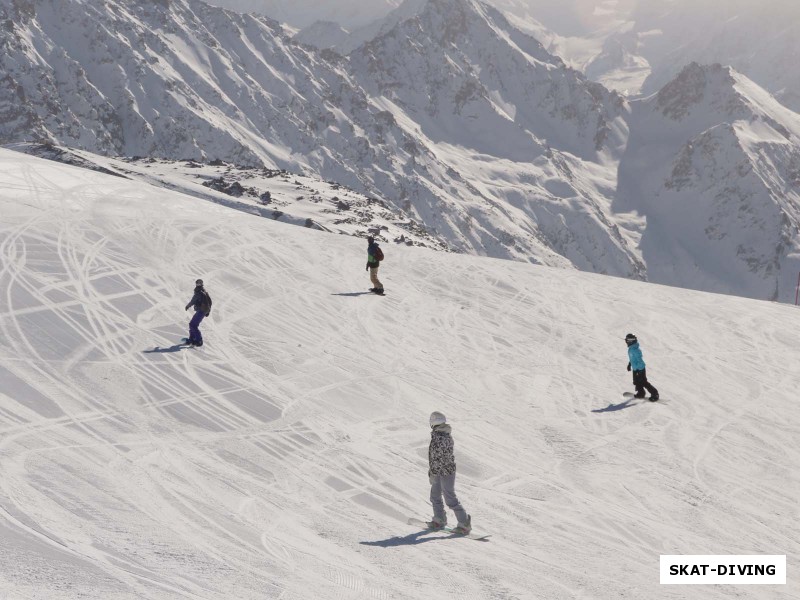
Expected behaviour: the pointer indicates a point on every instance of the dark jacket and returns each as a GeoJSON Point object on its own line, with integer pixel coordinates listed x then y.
{"type": "Point", "coordinates": [372, 250]}
{"type": "Point", "coordinates": [200, 298]}
{"type": "Point", "coordinates": [440, 452]}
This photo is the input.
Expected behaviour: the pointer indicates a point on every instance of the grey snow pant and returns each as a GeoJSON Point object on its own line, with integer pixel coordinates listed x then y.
{"type": "Point", "coordinates": [445, 485]}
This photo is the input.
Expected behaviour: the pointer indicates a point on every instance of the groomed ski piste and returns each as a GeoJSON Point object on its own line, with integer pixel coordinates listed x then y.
{"type": "Point", "coordinates": [284, 458]}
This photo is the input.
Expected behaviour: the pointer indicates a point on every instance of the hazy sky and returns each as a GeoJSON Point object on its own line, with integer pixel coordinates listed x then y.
{"type": "Point", "coordinates": [572, 17]}
{"type": "Point", "coordinates": [300, 13]}
{"type": "Point", "coordinates": [565, 17]}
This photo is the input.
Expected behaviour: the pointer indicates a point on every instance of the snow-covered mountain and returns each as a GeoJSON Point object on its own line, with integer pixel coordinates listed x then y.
{"type": "Point", "coordinates": [188, 81]}
{"type": "Point", "coordinates": [518, 128]}
{"type": "Point", "coordinates": [631, 46]}
{"type": "Point", "coordinates": [447, 113]}
{"type": "Point", "coordinates": [652, 42]}
{"type": "Point", "coordinates": [181, 80]}
{"type": "Point", "coordinates": [283, 458]}
{"type": "Point", "coordinates": [464, 71]}
{"type": "Point", "coordinates": [714, 163]}
{"type": "Point", "coordinates": [618, 64]}
{"type": "Point", "coordinates": [758, 39]}
{"type": "Point", "coordinates": [184, 80]}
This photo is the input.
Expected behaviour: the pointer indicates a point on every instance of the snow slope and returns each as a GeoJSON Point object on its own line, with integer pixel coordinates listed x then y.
{"type": "Point", "coordinates": [270, 193]}
{"type": "Point", "coordinates": [283, 458]}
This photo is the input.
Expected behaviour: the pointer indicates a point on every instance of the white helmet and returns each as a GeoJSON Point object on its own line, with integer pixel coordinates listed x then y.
{"type": "Point", "coordinates": [437, 418]}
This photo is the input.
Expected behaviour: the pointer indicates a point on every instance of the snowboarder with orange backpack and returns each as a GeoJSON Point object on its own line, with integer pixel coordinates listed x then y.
{"type": "Point", "coordinates": [374, 258]}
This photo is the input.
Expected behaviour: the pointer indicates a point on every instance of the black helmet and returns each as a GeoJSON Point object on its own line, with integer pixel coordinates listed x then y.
{"type": "Point", "coordinates": [630, 339]}
{"type": "Point", "coordinates": [370, 239]}
{"type": "Point", "coordinates": [199, 282]}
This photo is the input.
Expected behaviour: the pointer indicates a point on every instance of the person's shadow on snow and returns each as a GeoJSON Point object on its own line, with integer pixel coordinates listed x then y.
{"type": "Point", "coordinates": [351, 294]}
{"type": "Point", "coordinates": [614, 407]}
{"type": "Point", "coordinates": [160, 350]}
{"type": "Point", "coordinates": [409, 540]}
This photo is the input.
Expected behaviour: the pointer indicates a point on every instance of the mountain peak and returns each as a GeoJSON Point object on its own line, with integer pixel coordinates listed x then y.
{"type": "Point", "coordinates": [464, 58]}
{"type": "Point", "coordinates": [697, 84]}
{"type": "Point", "coordinates": [448, 21]}
{"type": "Point", "coordinates": [703, 96]}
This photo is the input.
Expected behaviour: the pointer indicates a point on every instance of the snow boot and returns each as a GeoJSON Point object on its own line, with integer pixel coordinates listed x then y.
{"type": "Point", "coordinates": [436, 523]}
{"type": "Point", "coordinates": [464, 528]}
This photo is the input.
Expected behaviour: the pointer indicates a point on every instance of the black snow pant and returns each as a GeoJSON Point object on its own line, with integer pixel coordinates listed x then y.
{"type": "Point", "coordinates": [640, 383]}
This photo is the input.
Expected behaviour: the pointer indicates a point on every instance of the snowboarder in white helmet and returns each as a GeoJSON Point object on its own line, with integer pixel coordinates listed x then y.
{"type": "Point", "coordinates": [442, 476]}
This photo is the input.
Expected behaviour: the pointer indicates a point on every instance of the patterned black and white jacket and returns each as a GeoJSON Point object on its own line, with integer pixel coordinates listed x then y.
{"type": "Point", "coordinates": [440, 452]}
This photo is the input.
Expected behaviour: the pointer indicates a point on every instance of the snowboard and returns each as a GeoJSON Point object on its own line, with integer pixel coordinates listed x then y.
{"type": "Point", "coordinates": [381, 293]}
{"type": "Point", "coordinates": [185, 342]}
{"type": "Point", "coordinates": [472, 535]}
{"type": "Point", "coordinates": [632, 395]}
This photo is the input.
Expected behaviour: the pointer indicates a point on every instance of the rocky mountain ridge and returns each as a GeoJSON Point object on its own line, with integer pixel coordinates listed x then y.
{"type": "Point", "coordinates": [714, 164]}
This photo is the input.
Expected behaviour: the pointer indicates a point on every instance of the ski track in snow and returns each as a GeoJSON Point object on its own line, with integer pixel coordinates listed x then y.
{"type": "Point", "coordinates": [283, 458]}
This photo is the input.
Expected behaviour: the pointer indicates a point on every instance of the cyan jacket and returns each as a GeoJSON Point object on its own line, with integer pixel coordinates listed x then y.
{"type": "Point", "coordinates": [635, 357]}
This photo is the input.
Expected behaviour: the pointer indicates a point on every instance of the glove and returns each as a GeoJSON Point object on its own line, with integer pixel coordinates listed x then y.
{"type": "Point", "coordinates": [187, 308]}
{"type": "Point", "coordinates": [367, 269]}
{"type": "Point", "coordinates": [629, 367]}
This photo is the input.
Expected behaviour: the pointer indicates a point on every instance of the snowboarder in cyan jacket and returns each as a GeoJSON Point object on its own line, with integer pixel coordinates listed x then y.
{"type": "Point", "coordinates": [201, 302]}
{"type": "Point", "coordinates": [442, 476]}
{"type": "Point", "coordinates": [636, 364]}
